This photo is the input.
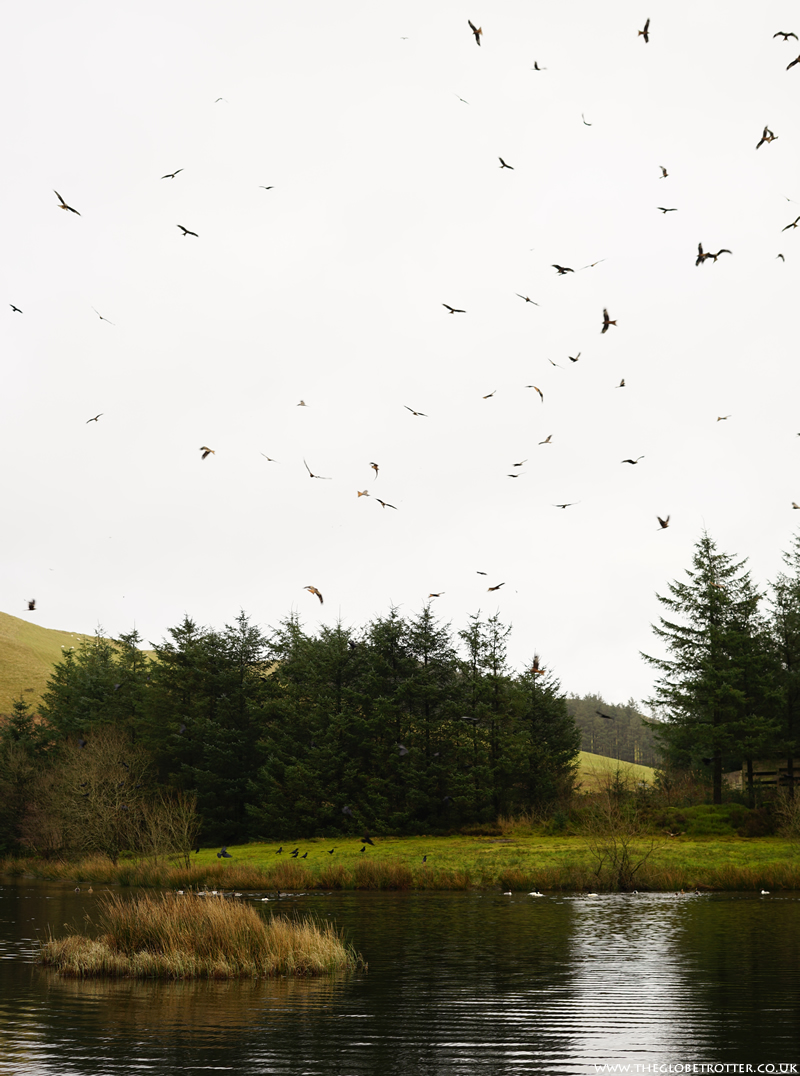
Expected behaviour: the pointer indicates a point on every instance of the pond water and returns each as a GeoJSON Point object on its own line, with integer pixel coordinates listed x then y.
{"type": "Point", "coordinates": [457, 983]}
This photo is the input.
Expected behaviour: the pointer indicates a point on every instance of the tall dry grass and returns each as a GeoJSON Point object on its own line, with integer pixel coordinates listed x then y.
{"type": "Point", "coordinates": [189, 936]}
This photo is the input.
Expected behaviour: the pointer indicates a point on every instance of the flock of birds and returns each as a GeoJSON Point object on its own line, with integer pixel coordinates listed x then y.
{"type": "Point", "coordinates": [564, 271]}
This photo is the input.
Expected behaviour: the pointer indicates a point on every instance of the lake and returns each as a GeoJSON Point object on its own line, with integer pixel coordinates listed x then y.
{"type": "Point", "coordinates": [457, 983]}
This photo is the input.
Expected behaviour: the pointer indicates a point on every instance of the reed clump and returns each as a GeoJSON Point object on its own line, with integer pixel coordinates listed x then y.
{"type": "Point", "coordinates": [190, 936]}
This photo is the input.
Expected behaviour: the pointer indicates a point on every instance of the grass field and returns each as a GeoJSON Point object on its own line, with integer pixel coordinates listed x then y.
{"type": "Point", "coordinates": [27, 656]}
{"type": "Point", "coordinates": [594, 771]}
{"type": "Point", "coordinates": [514, 862]}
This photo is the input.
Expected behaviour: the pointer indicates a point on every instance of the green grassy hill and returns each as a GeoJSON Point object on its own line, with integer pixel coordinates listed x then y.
{"type": "Point", "coordinates": [595, 770]}
{"type": "Point", "coordinates": [27, 656]}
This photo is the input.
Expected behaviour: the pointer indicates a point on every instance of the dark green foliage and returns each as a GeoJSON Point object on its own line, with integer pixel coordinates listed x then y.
{"type": "Point", "coordinates": [629, 736]}
{"type": "Point", "coordinates": [24, 744]}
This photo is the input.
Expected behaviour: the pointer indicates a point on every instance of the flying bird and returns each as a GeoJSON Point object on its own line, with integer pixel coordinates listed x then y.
{"type": "Point", "coordinates": [606, 321]}
{"type": "Point", "coordinates": [402, 750]}
{"type": "Point", "coordinates": [721, 418]}
{"type": "Point", "coordinates": [665, 210]}
{"type": "Point", "coordinates": [263, 188]}
{"type": "Point", "coordinates": [460, 98]}
{"type": "Point", "coordinates": [366, 839]}
{"type": "Point", "coordinates": [15, 309]}
{"type": "Point", "coordinates": [363, 492]}
{"type": "Point", "coordinates": [715, 256]}
{"type": "Point", "coordinates": [187, 232]}
{"type": "Point", "coordinates": [569, 504]}
{"type": "Point", "coordinates": [489, 395]}
{"type": "Point", "coordinates": [207, 451]}
{"type": "Point", "coordinates": [311, 474]}
{"type": "Point", "coordinates": [171, 175]}
{"type": "Point", "coordinates": [313, 590]}
{"type": "Point", "coordinates": [96, 417]}
{"type": "Point", "coordinates": [785, 35]}
{"type": "Point", "coordinates": [302, 404]}
{"type": "Point", "coordinates": [537, 68]}
{"type": "Point", "coordinates": [633, 461]}
{"type": "Point", "coordinates": [497, 587]}
{"type": "Point", "coordinates": [664, 522]}
{"type": "Point", "coordinates": [584, 120]}
{"type": "Point", "coordinates": [646, 32]}
{"type": "Point", "coordinates": [476, 30]}
{"type": "Point", "coordinates": [541, 394]}
{"type": "Point", "coordinates": [101, 316]}
{"type": "Point", "coordinates": [385, 504]}
{"type": "Point", "coordinates": [562, 269]}
{"type": "Point", "coordinates": [375, 468]}
{"type": "Point", "coordinates": [621, 385]}
{"type": "Point", "coordinates": [797, 61]}
{"type": "Point", "coordinates": [503, 164]}
{"type": "Point", "coordinates": [32, 604]}
{"type": "Point", "coordinates": [574, 358]}
{"type": "Point", "coordinates": [608, 717]}
{"type": "Point", "coordinates": [441, 592]}
{"type": "Point", "coordinates": [767, 136]}
{"type": "Point", "coordinates": [525, 297]}
{"type": "Point", "coordinates": [453, 309]}
{"type": "Point", "coordinates": [780, 256]}
{"type": "Point", "coordinates": [419, 414]}
{"type": "Point", "coordinates": [519, 464]}
{"type": "Point", "coordinates": [794, 224]}
{"type": "Point", "coordinates": [63, 205]}
{"type": "Point", "coordinates": [269, 458]}
{"type": "Point", "coordinates": [546, 440]}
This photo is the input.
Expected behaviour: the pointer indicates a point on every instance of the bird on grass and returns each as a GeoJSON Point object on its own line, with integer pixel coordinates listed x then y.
{"type": "Point", "coordinates": [187, 232]}
{"type": "Point", "coordinates": [63, 205]}
{"type": "Point", "coordinates": [606, 321]}
{"type": "Point", "coordinates": [207, 451]}
{"type": "Point", "coordinates": [279, 851]}
{"type": "Point", "coordinates": [646, 32]}
{"type": "Point", "coordinates": [313, 590]}
{"type": "Point", "coordinates": [330, 851]}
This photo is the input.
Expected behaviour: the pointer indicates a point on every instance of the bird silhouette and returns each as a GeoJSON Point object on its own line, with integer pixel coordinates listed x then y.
{"type": "Point", "coordinates": [536, 668]}
{"type": "Point", "coordinates": [574, 358]}
{"type": "Point", "coordinates": [621, 385]}
{"type": "Point", "coordinates": [311, 474]}
{"type": "Point", "coordinates": [366, 839]}
{"type": "Point", "coordinates": [606, 321]}
{"type": "Point", "coordinates": [722, 418]}
{"type": "Point", "coordinates": [664, 522]}
{"type": "Point", "coordinates": [279, 851]}
{"type": "Point", "coordinates": [313, 590]}
{"type": "Point", "coordinates": [363, 492]}
{"type": "Point", "coordinates": [785, 35]}
{"type": "Point", "coordinates": [562, 269]}
{"type": "Point", "coordinates": [187, 232]}
{"type": "Point", "coordinates": [402, 750]}
{"type": "Point", "coordinates": [664, 172]}
{"type": "Point", "coordinates": [503, 164]}
{"type": "Point", "coordinates": [794, 224]}
{"type": "Point", "coordinates": [646, 32]}
{"type": "Point", "coordinates": [584, 121]}
{"type": "Point", "coordinates": [476, 30]}
{"type": "Point", "coordinates": [525, 297]}
{"type": "Point", "coordinates": [767, 136]}
{"type": "Point", "coordinates": [536, 387]}
{"type": "Point", "coordinates": [375, 468]}
{"type": "Point", "coordinates": [15, 309]}
{"type": "Point", "coordinates": [453, 309]}
{"type": "Point", "coordinates": [665, 210]}
{"type": "Point", "coordinates": [31, 605]}
{"type": "Point", "coordinates": [419, 414]}
{"type": "Point", "coordinates": [569, 504]}
{"type": "Point", "coordinates": [436, 595]}
{"type": "Point", "coordinates": [96, 417]}
{"type": "Point", "coordinates": [497, 587]}
{"type": "Point", "coordinates": [633, 461]}
{"type": "Point", "coordinates": [608, 717]}
{"type": "Point", "coordinates": [489, 395]}
{"type": "Point", "coordinates": [546, 440]}
{"type": "Point", "coordinates": [63, 205]}
{"type": "Point", "coordinates": [789, 66]}
{"type": "Point", "coordinates": [101, 316]}
{"type": "Point", "coordinates": [207, 452]}
{"type": "Point", "coordinates": [385, 504]}
{"type": "Point", "coordinates": [224, 853]}
{"type": "Point", "coordinates": [171, 175]}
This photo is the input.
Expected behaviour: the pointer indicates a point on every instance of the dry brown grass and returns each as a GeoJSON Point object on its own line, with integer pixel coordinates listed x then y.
{"type": "Point", "coordinates": [191, 936]}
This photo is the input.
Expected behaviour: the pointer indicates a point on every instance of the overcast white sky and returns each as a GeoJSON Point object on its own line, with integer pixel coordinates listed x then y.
{"type": "Point", "coordinates": [387, 201]}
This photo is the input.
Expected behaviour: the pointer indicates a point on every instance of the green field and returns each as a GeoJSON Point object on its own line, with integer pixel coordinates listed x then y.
{"type": "Point", "coordinates": [27, 656]}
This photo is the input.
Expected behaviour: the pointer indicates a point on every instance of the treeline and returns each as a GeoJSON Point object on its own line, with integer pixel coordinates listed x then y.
{"type": "Point", "coordinates": [620, 731]}
{"type": "Point", "coordinates": [728, 692]}
{"type": "Point", "coordinates": [398, 727]}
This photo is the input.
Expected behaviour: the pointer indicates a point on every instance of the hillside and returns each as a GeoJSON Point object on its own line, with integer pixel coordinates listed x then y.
{"type": "Point", "coordinates": [27, 656]}
{"type": "Point", "coordinates": [595, 772]}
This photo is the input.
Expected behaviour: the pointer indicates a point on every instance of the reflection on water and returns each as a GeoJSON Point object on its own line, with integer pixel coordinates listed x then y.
{"type": "Point", "coordinates": [457, 983]}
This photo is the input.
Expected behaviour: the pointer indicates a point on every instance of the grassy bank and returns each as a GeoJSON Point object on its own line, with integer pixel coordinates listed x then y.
{"type": "Point", "coordinates": [517, 863]}
{"type": "Point", "coordinates": [188, 937]}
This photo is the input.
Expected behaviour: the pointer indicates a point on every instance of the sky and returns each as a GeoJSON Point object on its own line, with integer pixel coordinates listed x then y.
{"type": "Point", "coordinates": [379, 131]}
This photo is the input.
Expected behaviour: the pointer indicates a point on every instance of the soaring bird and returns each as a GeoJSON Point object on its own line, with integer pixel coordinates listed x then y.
{"type": "Point", "coordinates": [664, 172]}
{"type": "Point", "coordinates": [207, 451]}
{"type": "Point", "coordinates": [440, 593]}
{"type": "Point", "coordinates": [171, 175]}
{"type": "Point", "coordinates": [541, 394]}
{"type": "Point", "coordinates": [302, 404]}
{"type": "Point", "coordinates": [385, 504]}
{"type": "Point", "coordinates": [664, 522]}
{"type": "Point", "coordinates": [633, 461]}
{"type": "Point", "coordinates": [785, 35]}
{"type": "Point", "coordinates": [363, 492]}
{"type": "Point", "coordinates": [562, 269]}
{"type": "Point", "coordinates": [476, 30]}
{"type": "Point", "coordinates": [496, 588]}
{"type": "Point", "coordinates": [621, 385]}
{"type": "Point", "coordinates": [63, 205]}
{"type": "Point", "coordinates": [574, 358]}
{"type": "Point", "coordinates": [665, 210]}
{"type": "Point", "coordinates": [15, 309]}
{"type": "Point", "coordinates": [715, 256]}
{"type": "Point", "coordinates": [419, 414]}
{"type": "Point", "coordinates": [584, 121]}
{"type": "Point", "coordinates": [101, 316]}
{"type": "Point", "coordinates": [646, 32]}
{"type": "Point", "coordinates": [503, 164]}
{"type": "Point", "coordinates": [453, 309]}
{"type": "Point", "coordinates": [767, 136]}
{"type": "Point", "coordinates": [489, 395]}
{"type": "Point", "coordinates": [721, 418]}
{"type": "Point", "coordinates": [525, 297]}
{"type": "Point", "coordinates": [797, 61]}
{"type": "Point", "coordinates": [96, 417]}
{"type": "Point", "coordinates": [794, 224]}
{"type": "Point", "coordinates": [187, 232]}
{"type": "Point", "coordinates": [313, 590]}
{"type": "Point", "coordinates": [569, 504]}
{"type": "Point", "coordinates": [608, 717]}
{"type": "Point", "coordinates": [606, 321]}
{"type": "Point", "coordinates": [311, 474]}
{"type": "Point", "coordinates": [261, 187]}
{"type": "Point", "coordinates": [375, 468]}
{"type": "Point", "coordinates": [31, 604]}
{"type": "Point", "coordinates": [546, 440]}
